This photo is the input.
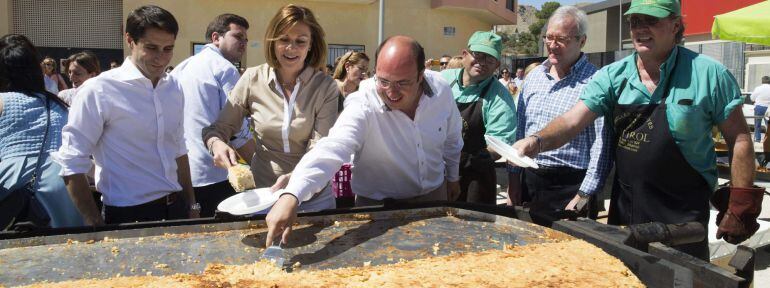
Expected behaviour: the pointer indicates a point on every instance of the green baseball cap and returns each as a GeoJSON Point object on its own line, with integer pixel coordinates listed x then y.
{"type": "Point", "coordinates": [655, 8]}
{"type": "Point", "coordinates": [486, 42]}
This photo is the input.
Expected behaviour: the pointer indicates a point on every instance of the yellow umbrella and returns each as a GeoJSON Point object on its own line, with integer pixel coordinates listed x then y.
{"type": "Point", "coordinates": [748, 24]}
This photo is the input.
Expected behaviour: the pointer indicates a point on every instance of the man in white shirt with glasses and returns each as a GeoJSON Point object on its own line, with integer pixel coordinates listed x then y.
{"type": "Point", "coordinates": [403, 127]}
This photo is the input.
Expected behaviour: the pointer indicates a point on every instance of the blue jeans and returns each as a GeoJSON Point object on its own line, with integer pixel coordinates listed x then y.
{"type": "Point", "coordinates": [758, 111]}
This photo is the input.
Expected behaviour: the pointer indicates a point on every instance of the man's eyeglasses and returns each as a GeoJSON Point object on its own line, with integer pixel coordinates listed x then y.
{"type": "Point", "coordinates": [398, 85]}
{"type": "Point", "coordinates": [443, 63]}
{"type": "Point", "coordinates": [563, 40]}
{"type": "Point", "coordinates": [483, 58]}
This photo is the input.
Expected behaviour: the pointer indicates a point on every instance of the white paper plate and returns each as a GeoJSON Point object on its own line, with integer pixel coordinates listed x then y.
{"type": "Point", "coordinates": [507, 152]}
{"type": "Point", "coordinates": [249, 201]}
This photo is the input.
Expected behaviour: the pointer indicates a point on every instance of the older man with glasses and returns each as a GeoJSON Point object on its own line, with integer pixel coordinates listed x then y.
{"type": "Point", "coordinates": [662, 101]}
{"type": "Point", "coordinates": [487, 108]}
{"type": "Point", "coordinates": [573, 174]}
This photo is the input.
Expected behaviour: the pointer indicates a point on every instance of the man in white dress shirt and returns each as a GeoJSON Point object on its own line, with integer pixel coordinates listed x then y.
{"type": "Point", "coordinates": [403, 127]}
{"type": "Point", "coordinates": [207, 78]}
{"type": "Point", "coordinates": [130, 120]}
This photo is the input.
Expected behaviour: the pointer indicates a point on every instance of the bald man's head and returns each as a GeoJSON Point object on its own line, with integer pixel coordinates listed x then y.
{"type": "Point", "coordinates": [400, 48]}
{"type": "Point", "coordinates": [399, 66]}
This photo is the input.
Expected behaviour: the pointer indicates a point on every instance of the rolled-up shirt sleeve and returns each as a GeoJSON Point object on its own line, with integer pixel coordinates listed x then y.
{"type": "Point", "coordinates": [313, 172]}
{"type": "Point", "coordinates": [727, 96]}
{"type": "Point", "coordinates": [453, 144]}
{"type": "Point", "coordinates": [83, 130]}
{"type": "Point", "coordinates": [499, 115]}
{"type": "Point", "coordinates": [236, 108]}
{"type": "Point", "coordinates": [597, 94]}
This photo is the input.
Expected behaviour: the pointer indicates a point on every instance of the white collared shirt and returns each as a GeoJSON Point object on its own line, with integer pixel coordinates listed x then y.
{"type": "Point", "coordinates": [206, 78]}
{"type": "Point", "coordinates": [288, 108]}
{"type": "Point", "coordinates": [133, 131]}
{"type": "Point", "coordinates": [395, 156]}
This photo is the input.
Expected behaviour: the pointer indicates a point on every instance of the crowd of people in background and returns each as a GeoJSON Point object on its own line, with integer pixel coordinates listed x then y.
{"type": "Point", "coordinates": [159, 140]}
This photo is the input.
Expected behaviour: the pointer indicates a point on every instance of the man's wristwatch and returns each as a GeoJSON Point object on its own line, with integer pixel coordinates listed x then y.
{"type": "Point", "coordinates": [539, 142]}
{"type": "Point", "coordinates": [195, 207]}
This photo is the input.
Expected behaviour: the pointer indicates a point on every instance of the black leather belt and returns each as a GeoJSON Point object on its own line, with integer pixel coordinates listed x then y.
{"type": "Point", "coordinates": [165, 200]}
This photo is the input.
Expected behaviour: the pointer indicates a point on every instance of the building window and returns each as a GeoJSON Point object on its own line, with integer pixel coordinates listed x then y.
{"type": "Point", "coordinates": [337, 50]}
{"type": "Point", "coordinates": [509, 4]}
{"type": "Point", "coordinates": [449, 31]}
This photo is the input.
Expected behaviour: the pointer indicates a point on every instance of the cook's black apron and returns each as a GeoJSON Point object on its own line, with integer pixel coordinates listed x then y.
{"type": "Point", "coordinates": [477, 170]}
{"type": "Point", "coordinates": [653, 180]}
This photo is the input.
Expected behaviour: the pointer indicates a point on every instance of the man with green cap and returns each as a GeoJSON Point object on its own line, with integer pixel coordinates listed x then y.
{"type": "Point", "coordinates": [486, 108]}
{"type": "Point", "coordinates": [661, 102]}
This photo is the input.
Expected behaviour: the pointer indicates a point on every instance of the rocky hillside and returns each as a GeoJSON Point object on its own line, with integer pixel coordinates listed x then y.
{"type": "Point", "coordinates": [525, 17]}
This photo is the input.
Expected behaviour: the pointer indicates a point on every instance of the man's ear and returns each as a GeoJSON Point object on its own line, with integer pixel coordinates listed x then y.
{"type": "Point", "coordinates": [129, 40]}
{"type": "Point", "coordinates": [215, 38]}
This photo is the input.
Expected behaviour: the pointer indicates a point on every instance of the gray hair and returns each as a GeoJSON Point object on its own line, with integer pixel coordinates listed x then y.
{"type": "Point", "coordinates": [580, 17]}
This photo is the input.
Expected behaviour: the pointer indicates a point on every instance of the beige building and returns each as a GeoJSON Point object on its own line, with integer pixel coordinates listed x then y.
{"type": "Point", "coordinates": [605, 26]}
{"type": "Point", "coordinates": [441, 26]}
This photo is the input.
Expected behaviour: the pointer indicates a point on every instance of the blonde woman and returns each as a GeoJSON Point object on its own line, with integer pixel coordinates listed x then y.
{"type": "Point", "coordinates": [455, 62]}
{"type": "Point", "coordinates": [351, 69]}
{"type": "Point", "coordinates": [54, 82]}
{"type": "Point", "coordinates": [291, 102]}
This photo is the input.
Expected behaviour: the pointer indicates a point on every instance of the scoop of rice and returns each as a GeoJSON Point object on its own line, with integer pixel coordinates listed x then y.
{"type": "Point", "coordinates": [240, 178]}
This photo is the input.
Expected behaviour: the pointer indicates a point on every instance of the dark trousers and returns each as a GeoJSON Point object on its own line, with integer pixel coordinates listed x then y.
{"type": "Point", "coordinates": [210, 196]}
{"type": "Point", "coordinates": [165, 208]}
{"type": "Point", "coordinates": [478, 185]}
{"type": "Point", "coordinates": [552, 188]}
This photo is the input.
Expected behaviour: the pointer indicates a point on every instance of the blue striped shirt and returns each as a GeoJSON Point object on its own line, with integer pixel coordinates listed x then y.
{"type": "Point", "coordinates": [542, 99]}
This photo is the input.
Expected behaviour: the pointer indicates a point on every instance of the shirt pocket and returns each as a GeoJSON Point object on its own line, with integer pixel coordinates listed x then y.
{"type": "Point", "coordinates": [687, 123]}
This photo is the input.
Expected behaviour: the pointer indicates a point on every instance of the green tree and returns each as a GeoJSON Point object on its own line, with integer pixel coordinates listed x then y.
{"type": "Point", "coordinates": [547, 9]}
{"type": "Point", "coordinates": [527, 42]}
{"type": "Point", "coordinates": [542, 17]}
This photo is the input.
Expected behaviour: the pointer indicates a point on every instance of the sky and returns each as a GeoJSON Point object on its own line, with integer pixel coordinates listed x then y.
{"type": "Point", "coordinates": [538, 3]}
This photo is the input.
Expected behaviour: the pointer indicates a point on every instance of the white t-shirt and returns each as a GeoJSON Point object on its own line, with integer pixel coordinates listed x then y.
{"type": "Point", "coordinates": [761, 95]}
{"type": "Point", "coordinates": [50, 84]}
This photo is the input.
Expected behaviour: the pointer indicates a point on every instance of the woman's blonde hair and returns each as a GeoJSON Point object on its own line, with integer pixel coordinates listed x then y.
{"type": "Point", "coordinates": [50, 60]}
{"type": "Point", "coordinates": [353, 58]}
{"type": "Point", "coordinates": [455, 62]}
{"type": "Point", "coordinates": [286, 18]}
{"type": "Point", "coordinates": [529, 68]}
